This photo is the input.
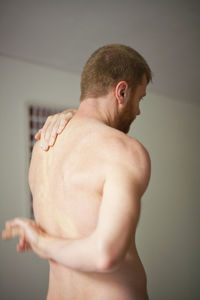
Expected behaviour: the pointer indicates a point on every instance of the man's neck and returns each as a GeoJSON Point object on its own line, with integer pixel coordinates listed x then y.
{"type": "Point", "coordinates": [102, 109]}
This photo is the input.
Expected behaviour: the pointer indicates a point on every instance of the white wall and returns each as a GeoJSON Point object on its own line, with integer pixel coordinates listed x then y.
{"type": "Point", "coordinates": [167, 233]}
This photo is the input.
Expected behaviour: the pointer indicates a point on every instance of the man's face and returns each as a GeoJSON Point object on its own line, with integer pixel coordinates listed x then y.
{"type": "Point", "coordinates": [131, 109]}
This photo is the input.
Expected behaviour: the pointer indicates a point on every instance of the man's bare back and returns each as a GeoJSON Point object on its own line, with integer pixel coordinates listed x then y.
{"type": "Point", "coordinates": [67, 185]}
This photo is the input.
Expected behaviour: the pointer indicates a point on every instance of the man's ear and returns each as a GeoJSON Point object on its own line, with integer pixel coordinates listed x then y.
{"type": "Point", "coordinates": [121, 92]}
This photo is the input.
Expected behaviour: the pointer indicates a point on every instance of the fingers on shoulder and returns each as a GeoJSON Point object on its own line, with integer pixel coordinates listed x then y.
{"type": "Point", "coordinates": [53, 126]}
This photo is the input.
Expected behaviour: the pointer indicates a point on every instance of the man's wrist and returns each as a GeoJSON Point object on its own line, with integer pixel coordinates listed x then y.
{"type": "Point", "coordinates": [44, 245]}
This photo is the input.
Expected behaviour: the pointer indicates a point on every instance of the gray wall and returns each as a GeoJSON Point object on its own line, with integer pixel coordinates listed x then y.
{"type": "Point", "coordinates": [24, 276]}
{"type": "Point", "coordinates": [167, 233]}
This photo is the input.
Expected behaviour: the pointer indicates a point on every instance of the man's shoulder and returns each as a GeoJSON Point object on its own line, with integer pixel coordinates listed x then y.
{"type": "Point", "coordinates": [129, 157]}
{"type": "Point", "coordinates": [137, 147]}
{"type": "Point", "coordinates": [126, 148]}
{"type": "Point", "coordinates": [128, 151]}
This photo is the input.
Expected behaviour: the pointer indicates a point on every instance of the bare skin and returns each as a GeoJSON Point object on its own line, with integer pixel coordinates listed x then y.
{"type": "Point", "coordinates": [86, 192]}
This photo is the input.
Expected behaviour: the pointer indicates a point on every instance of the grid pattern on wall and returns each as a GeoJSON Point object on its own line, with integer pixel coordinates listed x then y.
{"type": "Point", "coordinates": [37, 116]}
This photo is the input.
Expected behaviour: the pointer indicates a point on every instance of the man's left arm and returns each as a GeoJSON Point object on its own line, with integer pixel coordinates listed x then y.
{"type": "Point", "coordinates": [106, 247]}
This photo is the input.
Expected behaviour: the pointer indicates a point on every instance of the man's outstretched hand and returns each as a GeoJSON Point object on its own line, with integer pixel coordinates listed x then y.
{"type": "Point", "coordinates": [53, 126]}
{"type": "Point", "coordinates": [29, 233]}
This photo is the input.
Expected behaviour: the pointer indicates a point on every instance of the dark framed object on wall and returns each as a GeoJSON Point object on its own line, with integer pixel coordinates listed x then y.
{"type": "Point", "coordinates": [37, 116]}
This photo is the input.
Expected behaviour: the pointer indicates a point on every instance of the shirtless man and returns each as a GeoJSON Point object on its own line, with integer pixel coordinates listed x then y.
{"type": "Point", "coordinates": [87, 188]}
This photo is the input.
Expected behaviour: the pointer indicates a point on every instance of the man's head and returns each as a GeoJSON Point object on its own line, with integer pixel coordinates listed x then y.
{"type": "Point", "coordinates": [109, 65]}
{"type": "Point", "coordinates": [127, 102]}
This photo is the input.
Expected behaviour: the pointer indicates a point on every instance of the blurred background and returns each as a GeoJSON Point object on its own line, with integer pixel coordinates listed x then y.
{"type": "Point", "coordinates": [43, 47]}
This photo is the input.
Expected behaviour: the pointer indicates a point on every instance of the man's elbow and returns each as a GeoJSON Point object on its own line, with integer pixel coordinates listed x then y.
{"type": "Point", "coordinates": [109, 256]}
{"type": "Point", "coordinates": [108, 263]}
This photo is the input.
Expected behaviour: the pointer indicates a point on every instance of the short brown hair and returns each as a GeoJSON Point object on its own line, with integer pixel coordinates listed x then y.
{"type": "Point", "coordinates": [110, 64]}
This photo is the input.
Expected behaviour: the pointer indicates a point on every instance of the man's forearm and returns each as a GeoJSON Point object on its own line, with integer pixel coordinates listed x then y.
{"type": "Point", "coordinates": [82, 255]}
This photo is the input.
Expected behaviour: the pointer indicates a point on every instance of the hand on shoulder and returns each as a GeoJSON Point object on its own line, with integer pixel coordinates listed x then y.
{"type": "Point", "coordinates": [53, 126]}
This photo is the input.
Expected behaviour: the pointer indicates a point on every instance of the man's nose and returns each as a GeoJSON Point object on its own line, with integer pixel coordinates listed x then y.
{"type": "Point", "coordinates": [138, 112]}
